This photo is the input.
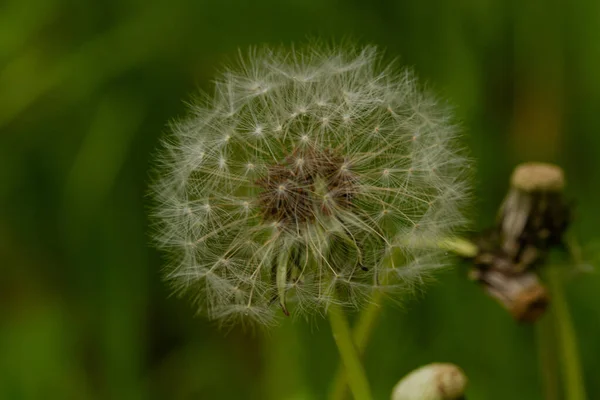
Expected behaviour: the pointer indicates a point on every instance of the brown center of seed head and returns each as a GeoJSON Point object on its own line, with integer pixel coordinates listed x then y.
{"type": "Point", "coordinates": [538, 177]}
{"type": "Point", "coordinates": [306, 183]}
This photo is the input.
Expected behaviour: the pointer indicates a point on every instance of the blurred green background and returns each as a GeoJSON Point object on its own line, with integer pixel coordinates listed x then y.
{"type": "Point", "coordinates": [86, 90]}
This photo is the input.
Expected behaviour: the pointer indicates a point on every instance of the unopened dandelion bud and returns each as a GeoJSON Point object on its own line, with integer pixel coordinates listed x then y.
{"type": "Point", "coordinates": [437, 381]}
{"type": "Point", "coordinates": [309, 178]}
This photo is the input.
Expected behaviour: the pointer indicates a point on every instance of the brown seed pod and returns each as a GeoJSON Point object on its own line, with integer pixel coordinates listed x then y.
{"type": "Point", "coordinates": [532, 219]}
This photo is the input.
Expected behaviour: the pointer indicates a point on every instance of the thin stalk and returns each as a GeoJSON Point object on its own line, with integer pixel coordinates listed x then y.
{"type": "Point", "coordinates": [367, 319]}
{"type": "Point", "coordinates": [357, 379]}
{"type": "Point", "coordinates": [360, 336]}
{"type": "Point", "coordinates": [545, 338]}
{"type": "Point", "coordinates": [567, 341]}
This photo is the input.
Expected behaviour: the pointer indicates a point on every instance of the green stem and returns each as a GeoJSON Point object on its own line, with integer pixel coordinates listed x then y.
{"type": "Point", "coordinates": [368, 317]}
{"type": "Point", "coordinates": [360, 336]}
{"type": "Point", "coordinates": [357, 379]}
{"type": "Point", "coordinates": [567, 341]}
{"type": "Point", "coordinates": [547, 357]}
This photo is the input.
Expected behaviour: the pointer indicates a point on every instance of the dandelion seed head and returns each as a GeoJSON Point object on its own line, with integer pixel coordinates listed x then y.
{"type": "Point", "coordinates": [311, 177]}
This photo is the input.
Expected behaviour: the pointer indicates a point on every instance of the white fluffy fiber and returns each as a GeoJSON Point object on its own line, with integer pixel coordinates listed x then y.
{"type": "Point", "coordinates": [391, 144]}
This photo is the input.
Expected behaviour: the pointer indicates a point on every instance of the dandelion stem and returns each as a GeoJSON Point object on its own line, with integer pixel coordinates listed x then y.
{"type": "Point", "coordinates": [356, 377]}
{"type": "Point", "coordinates": [567, 341]}
{"type": "Point", "coordinates": [545, 338]}
{"type": "Point", "coordinates": [360, 336]}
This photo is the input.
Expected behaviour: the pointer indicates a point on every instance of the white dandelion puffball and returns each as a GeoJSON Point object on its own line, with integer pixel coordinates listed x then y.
{"type": "Point", "coordinates": [311, 177]}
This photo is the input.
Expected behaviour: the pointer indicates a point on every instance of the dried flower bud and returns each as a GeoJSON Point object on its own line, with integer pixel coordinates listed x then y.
{"type": "Point", "coordinates": [309, 177]}
{"type": "Point", "coordinates": [521, 293]}
{"type": "Point", "coordinates": [533, 218]}
{"type": "Point", "coordinates": [538, 177]}
{"type": "Point", "coordinates": [534, 214]}
{"type": "Point", "coordinates": [437, 381]}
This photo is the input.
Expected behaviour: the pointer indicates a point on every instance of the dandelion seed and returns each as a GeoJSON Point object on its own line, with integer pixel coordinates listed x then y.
{"type": "Point", "coordinates": [302, 180]}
